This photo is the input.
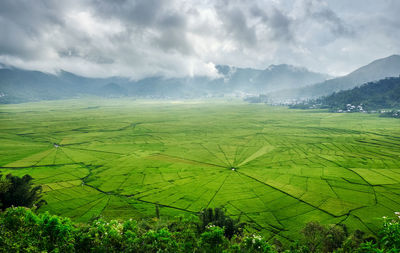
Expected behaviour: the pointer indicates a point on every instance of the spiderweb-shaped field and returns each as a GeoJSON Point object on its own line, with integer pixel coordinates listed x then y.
{"type": "Point", "coordinates": [274, 168]}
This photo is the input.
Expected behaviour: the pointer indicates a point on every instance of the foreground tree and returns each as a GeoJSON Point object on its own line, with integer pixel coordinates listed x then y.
{"type": "Point", "coordinates": [218, 218]}
{"type": "Point", "coordinates": [19, 191]}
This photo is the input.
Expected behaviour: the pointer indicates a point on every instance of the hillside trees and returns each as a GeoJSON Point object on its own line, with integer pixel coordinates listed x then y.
{"type": "Point", "coordinates": [19, 191]}
{"type": "Point", "coordinates": [218, 218]}
{"type": "Point", "coordinates": [382, 94]}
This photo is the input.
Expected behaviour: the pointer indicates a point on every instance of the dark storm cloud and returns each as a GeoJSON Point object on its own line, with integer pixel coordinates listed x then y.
{"type": "Point", "coordinates": [279, 23]}
{"type": "Point", "coordinates": [173, 34]}
{"type": "Point", "coordinates": [329, 18]}
{"type": "Point", "coordinates": [139, 38]}
{"type": "Point", "coordinates": [23, 22]}
{"type": "Point", "coordinates": [31, 16]}
{"type": "Point", "coordinates": [167, 24]}
{"type": "Point", "coordinates": [236, 26]}
{"type": "Point", "coordinates": [143, 13]}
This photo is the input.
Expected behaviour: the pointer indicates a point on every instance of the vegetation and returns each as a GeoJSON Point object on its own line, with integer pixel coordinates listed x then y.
{"type": "Point", "coordinates": [217, 217]}
{"type": "Point", "coordinates": [390, 114]}
{"type": "Point", "coordinates": [277, 169]}
{"type": "Point", "coordinates": [376, 70]}
{"type": "Point", "coordinates": [16, 191]}
{"type": "Point", "coordinates": [21, 230]}
{"type": "Point", "coordinates": [372, 96]}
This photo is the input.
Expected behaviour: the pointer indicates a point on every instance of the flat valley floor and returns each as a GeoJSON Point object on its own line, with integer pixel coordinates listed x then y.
{"type": "Point", "coordinates": [275, 168]}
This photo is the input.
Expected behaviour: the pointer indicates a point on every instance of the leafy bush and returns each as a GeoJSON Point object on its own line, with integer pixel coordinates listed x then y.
{"type": "Point", "coordinates": [213, 239]}
{"type": "Point", "coordinates": [390, 234]}
{"type": "Point", "coordinates": [256, 243]}
{"type": "Point", "coordinates": [22, 230]}
{"type": "Point", "coordinates": [102, 236]}
{"type": "Point", "coordinates": [185, 230]}
{"type": "Point", "coordinates": [218, 218]}
{"type": "Point", "coordinates": [320, 238]}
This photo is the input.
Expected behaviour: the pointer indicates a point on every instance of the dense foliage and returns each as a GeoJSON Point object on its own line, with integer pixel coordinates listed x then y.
{"type": "Point", "coordinates": [390, 114]}
{"type": "Point", "coordinates": [218, 218]}
{"type": "Point", "coordinates": [23, 230]}
{"type": "Point", "coordinates": [371, 96]}
{"type": "Point", "coordinates": [19, 191]}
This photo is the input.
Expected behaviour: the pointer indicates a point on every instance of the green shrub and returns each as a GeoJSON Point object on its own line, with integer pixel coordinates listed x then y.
{"type": "Point", "coordinates": [103, 236]}
{"type": "Point", "coordinates": [218, 218]}
{"type": "Point", "coordinates": [369, 247]}
{"type": "Point", "coordinates": [390, 233]}
{"type": "Point", "coordinates": [22, 230]}
{"type": "Point", "coordinates": [184, 229]}
{"type": "Point", "coordinates": [158, 241]}
{"type": "Point", "coordinates": [213, 239]}
{"type": "Point", "coordinates": [353, 242]}
{"type": "Point", "coordinates": [320, 238]}
{"type": "Point", "coordinates": [256, 243]}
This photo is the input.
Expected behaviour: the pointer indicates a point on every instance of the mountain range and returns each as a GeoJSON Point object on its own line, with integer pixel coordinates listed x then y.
{"type": "Point", "coordinates": [17, 85]}
{"type": "Point", "coordinates": [280, 81]}
{"type": "Point", "coordinates": [376, 70]}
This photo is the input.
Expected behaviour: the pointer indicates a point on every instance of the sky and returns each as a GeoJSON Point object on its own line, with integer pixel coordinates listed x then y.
{"type": "Point", "coordinates": [185, 38]}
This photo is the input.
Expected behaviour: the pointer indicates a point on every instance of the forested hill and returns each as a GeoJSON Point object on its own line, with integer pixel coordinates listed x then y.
{"type": "Point", "coordinates": [374, 71]}
{"type": "Point", "coordinates": [382, 94]}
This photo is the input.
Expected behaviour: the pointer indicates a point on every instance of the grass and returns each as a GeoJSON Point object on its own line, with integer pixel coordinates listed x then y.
{"type": "Point", "coordinates": [121, 158]}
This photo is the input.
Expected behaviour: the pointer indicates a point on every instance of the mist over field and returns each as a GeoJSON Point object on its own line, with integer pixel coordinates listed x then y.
{"type": "Point", "coordinates": [199, 126]}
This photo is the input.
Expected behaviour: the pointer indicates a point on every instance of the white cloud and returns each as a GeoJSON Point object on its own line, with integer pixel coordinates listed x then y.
{"type": "Point", "coordinates": [185, 38]}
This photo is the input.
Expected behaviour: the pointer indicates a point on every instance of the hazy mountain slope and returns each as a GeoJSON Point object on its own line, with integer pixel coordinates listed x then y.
{"type": "Point", "coordinates": [233, 81]}
{"type": "Point", "coordinates": [378, 69]}
{"type": "Point", "coordinates": [382, 94]}
{"type": "Point", "coordinates": [282, 81]}
{"type": "Point", "coordinates": [18, 85]}
{"type": "Point", "coordinates": [275, 77]}
{"type": "Point", "coordinates": [112, 90]}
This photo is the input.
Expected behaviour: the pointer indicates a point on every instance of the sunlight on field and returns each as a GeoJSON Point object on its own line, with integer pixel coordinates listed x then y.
{"type": "Point", "coordinates": [274, 168]}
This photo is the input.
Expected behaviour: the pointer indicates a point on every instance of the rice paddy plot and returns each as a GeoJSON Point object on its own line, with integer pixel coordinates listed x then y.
{"type": "Point", "coordinates": [273, 167]}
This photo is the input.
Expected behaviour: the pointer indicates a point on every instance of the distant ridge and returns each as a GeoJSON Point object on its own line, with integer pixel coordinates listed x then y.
{"type": "Point", "coordinates": [376, 70]}
{"type": "Point", "coordinates": [378, 95]}
{"type": "Point", "coordinates": [275, 77]}
{"type": "Point", "coordinates": [279, 81]}
{"type": "Point", "coordinates": [17, 85]}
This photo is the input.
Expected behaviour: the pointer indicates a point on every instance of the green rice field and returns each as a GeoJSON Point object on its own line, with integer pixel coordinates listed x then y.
{"type": "Point", "coordinates": [275, 168]}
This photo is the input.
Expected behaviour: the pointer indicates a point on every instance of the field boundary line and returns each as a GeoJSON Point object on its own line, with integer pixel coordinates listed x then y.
{"type": "Point", "coordinates": [215, 194]}
{"type": "Point", "coordinates": [185, 159]}
{"type": "Point", "coordinates": [288, 194]}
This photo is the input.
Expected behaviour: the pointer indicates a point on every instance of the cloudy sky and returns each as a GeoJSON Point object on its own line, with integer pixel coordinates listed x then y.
{"type": "Point", "coordinates": [140, 38]}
